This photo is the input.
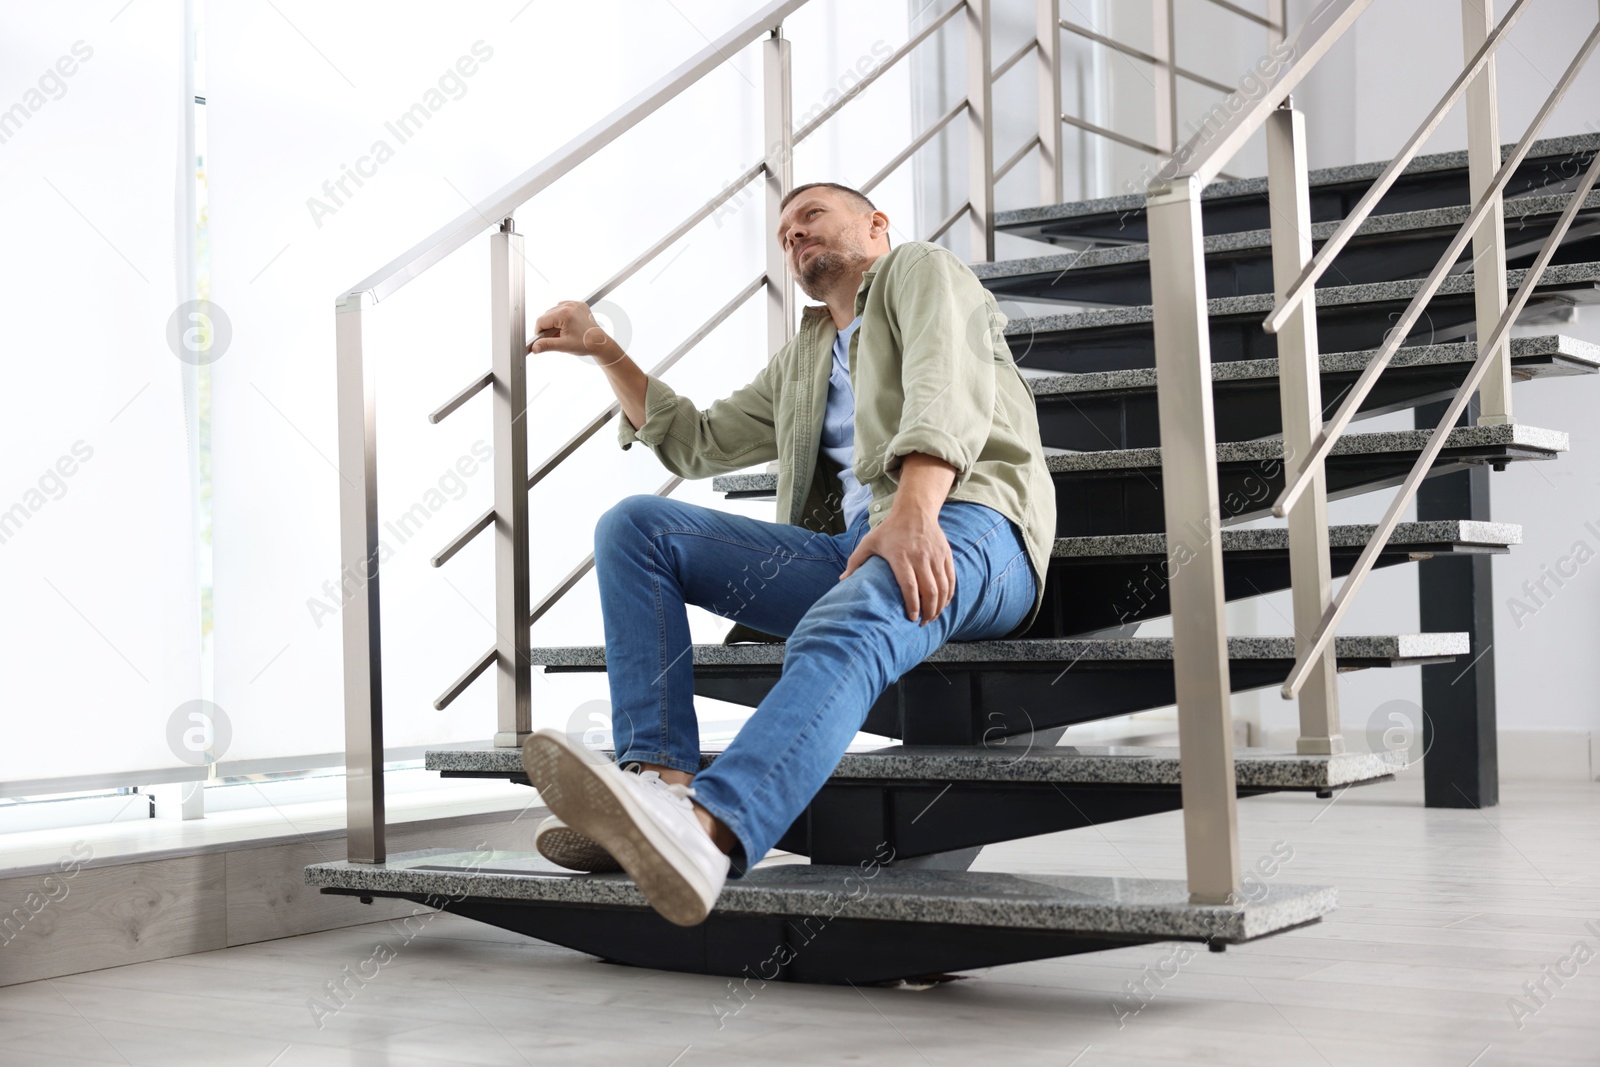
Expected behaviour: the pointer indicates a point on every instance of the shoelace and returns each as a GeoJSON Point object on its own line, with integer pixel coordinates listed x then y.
{"type": "Point", "coordinates": [677, 789]}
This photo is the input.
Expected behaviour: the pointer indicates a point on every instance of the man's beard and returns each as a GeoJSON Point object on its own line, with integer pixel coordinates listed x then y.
{"type": "Point", "coordinates": [818, 271]}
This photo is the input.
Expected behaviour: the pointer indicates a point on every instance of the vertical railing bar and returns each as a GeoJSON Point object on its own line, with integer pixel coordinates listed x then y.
{"type": "Point", "coordinates": [1300, 400]}
{"type": "Point", "coordinates": [777, 110]}
{"type": "Point", "coordinates": [980, 133]}
{"type": "Point", "coordinates": [509, 343]}
{"type": "Point", "coordinates": [1489, 240]}
{"type": "Point", "coordinates": [1192, 510]}
{"type": "Point", "coordinates": [1164, 43]}
{"type": "Point", "coordinates": [1047, 30]}
{"type": "Point", "coordinates": [359, 553]}
{"type": "Point", "coordinates": [1278, 15]}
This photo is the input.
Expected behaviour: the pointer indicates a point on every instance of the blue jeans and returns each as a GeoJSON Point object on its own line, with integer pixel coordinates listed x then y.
{"type": "Point", "coordinates": [847, 641]}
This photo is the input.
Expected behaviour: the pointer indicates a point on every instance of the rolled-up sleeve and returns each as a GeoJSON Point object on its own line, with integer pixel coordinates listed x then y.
{"type": "Point", "coordinates": [946, 322]}
{"type": "Point", "coordinates": [735, 432]}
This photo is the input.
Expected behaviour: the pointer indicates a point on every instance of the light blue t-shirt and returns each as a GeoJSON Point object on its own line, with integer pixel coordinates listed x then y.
{"type": "Point", "coordinates": [839, 426]}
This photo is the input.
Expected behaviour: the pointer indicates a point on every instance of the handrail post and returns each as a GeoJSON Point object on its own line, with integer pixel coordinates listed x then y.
{"type": "Point", "coordinates": [1052, 185]}
{"type": "Point", "coordinates": [980, 133]}
{"type": "Point", "coordinates": [1489, 241]}
{"type": "Point", "coordinates": [778, 126]}
{"type": "Point", "coordinates": [1278, 15]}
{"type": "Point", "coordinates": [509, 344]}
{"type": "Point", "coordinates": [1300, 398]}
{"type": "Point", "coordinates": [1163, 45]}
{"type": "Point", "coordinates": [1194, 542]}
{"type": "Point", "coordinates": [358, 558]}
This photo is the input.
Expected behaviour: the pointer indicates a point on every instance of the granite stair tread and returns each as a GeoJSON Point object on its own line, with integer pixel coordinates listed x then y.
{"type": "Point", "coordinates": [1276, 538]}
{"type": "Point", "coordinates": [1395, 648]}
{"type": "Point", "coordinates": [1132, 907]}
{"type": "Point", "coordinates": [1546, 355]}
{"type": "Point", "coordinates": [1521, 436]}
{"type": "Point", "coordinates": [1384, 247]}
{"type": "Point", "coordinates": [1350, 318]}
{"type": "Point", "coordinates": [1580, 278]}
{"type": "Point", "coordinates": [1120, 219]}
{"type": "Point", "coordinates": [1017, 759]}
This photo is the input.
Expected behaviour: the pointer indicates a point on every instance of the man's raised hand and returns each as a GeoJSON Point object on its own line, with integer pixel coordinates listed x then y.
{"type": "Point", "coordinates": [570, 327]}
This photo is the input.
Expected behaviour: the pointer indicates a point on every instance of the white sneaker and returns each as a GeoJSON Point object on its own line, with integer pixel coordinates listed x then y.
{"type": "Point", "coordinates": [566, 847]}
{"type": "Point", "coordinates": [645, 824]}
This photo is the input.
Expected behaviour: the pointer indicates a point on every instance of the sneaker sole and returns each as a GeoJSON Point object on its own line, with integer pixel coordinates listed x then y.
{"type": "Point", "coordinates": [573, 788]}
{"type": "Point", "coordinates": [566, 847]}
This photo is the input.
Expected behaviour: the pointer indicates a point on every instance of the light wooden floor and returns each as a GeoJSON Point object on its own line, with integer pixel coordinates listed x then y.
{"type": "Point", "coordinates": [1444, 916]}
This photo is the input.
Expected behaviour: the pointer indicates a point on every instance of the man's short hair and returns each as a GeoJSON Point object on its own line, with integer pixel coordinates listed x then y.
{"type": "Point", "coordinates": [856, 195]}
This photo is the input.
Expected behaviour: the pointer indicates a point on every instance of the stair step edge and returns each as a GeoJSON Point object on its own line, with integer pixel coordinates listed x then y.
{"type": "Point", "coordinates": [1263, 303]}
{"type": "Point", "coordinates": [1047, 384]}
{"type": "Point", "coordinates": [1131, 906]}
{"type": "Point", "coordinates": [1015, 761]}
{"type": "Point", "coordinates": [1461, 531]}
{"type": "Point", "coordinates": [1526, 207]}
{"type": "Point", "coordinates": [1355, 172]}
{"type": "Point", "coordinates": [1054, 650]}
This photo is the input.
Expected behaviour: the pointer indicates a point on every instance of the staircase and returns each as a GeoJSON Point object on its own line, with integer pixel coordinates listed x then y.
{"type": "Point", "coordinates": [887, 892]}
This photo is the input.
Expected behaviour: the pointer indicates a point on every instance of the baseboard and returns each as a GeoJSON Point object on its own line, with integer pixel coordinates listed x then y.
{"type": "Point", "coordinates": [1549, 755]}
{"type": "Point", "coordinates": [86, 918]}
{"type": "Point", "coordinates": [1525, 755]}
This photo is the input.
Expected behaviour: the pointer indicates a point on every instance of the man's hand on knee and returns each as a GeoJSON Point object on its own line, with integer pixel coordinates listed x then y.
{"type": "Point", "coordinates": [919, 554]}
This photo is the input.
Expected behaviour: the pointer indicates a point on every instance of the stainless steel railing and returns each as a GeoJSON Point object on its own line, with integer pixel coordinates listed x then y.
{"type": "Point", "coordinates": [1182, 357]}
{"type": "Point", "coordinates": [514, 611]}
{"type": "Point", "coordinates": [1184, 372]}
{"type": "Point", "coordinates": [1492, 362]}
{"type": "Point", "coordinates": [1188, 436]}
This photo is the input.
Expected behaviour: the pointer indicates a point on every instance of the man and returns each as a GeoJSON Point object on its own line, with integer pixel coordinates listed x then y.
{"type": "Point", "coordinates": [918, 509]}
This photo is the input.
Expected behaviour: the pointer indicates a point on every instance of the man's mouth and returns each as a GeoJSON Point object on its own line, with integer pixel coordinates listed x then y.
{"type": "Point", "coordinates": [800, 255]}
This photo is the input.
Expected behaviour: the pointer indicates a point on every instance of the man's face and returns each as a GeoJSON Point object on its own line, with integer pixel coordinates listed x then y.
{"type": "Point", "coordinates": [826, 234]}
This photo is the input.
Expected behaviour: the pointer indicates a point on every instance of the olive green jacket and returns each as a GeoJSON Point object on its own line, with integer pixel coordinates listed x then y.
{"type": "Point", "coordinates": [931, 373]}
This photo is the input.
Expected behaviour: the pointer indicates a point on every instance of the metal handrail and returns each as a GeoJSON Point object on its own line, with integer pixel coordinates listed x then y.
{"type": "Point", "coordinates": [485, 661]}
{"type": "Point", "coordinates": [1437, 437]}
{"type": "Point", "coordinates": [894, 57]}
{"type": "Point", "coordinates": [1250, 15]}
{"type": "Point", "coordinates": [1208, 777]}
{"type": "Point", "coordinates": [696, 217]}
{"type": "Point", "coordinates": [520, 190]}
{"type": "Point", "coordinates": [486, 520]}
{"type": "Point", "coordinates": [593, 426]}
{"type": "Point", "coordinates": [1138, 53]}
{"type": "Point", "coordinates": [1358, 215]}
{"type": "Point", "coordinates": [1204, 154]}
{"type": "Point", "coordinates": [1323, 442]}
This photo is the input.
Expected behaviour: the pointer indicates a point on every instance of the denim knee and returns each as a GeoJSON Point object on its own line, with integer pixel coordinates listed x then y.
{"type": "Point", "coordinates": [633, 512]}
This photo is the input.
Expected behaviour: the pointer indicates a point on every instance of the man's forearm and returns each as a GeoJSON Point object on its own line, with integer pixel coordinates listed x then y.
{"type": "Point", "coordinates": [626, 379]}
{"type": "Point", "coordinates": [925, 482]}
